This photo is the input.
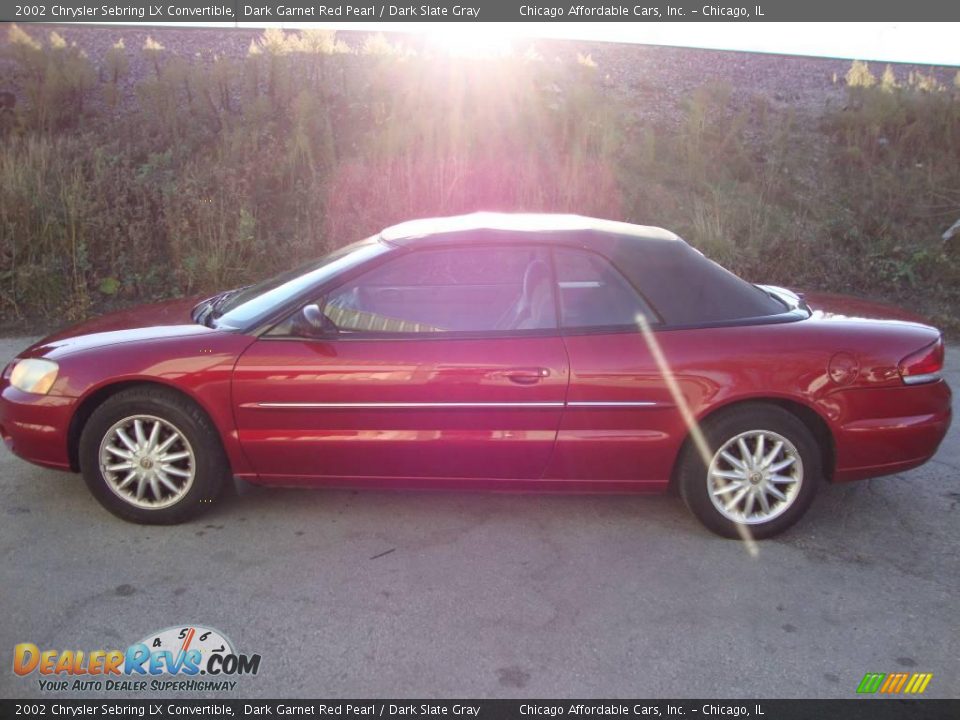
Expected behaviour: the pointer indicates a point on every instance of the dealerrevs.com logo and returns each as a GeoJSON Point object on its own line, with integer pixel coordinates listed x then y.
{"type": "Point", "coordinates": [183, 658]}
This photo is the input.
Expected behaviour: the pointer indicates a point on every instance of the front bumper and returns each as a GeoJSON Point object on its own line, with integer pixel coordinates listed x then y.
{"type": "Point", "coordinates": [35, 427]}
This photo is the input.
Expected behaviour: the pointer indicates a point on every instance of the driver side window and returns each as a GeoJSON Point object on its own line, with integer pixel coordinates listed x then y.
{"type": "Point", "coordinates": [449, 290]}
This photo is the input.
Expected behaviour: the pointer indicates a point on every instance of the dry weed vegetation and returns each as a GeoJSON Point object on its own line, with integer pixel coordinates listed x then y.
{"type": "Point", "coordinates": [214, 172]}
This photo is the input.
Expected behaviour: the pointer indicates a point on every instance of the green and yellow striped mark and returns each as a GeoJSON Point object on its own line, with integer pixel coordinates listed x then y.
{"type": "Point", "coordinates": [895, 683]}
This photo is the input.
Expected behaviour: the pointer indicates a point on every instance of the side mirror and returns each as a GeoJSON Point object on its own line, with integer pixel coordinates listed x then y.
{"type": "Point", "coordinates": [319, 323]}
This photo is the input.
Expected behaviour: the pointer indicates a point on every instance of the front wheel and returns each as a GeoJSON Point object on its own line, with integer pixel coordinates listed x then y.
{"type": "Point", "coordinates": [150, 456]}
{"type": "Point", "coordinates": [760, 474]}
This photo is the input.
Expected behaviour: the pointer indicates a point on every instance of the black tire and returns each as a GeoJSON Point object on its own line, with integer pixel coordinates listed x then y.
{"type": "Point", "coordinates": [693, 481]}
{"type": "Point", "coordinates": [208, 463]}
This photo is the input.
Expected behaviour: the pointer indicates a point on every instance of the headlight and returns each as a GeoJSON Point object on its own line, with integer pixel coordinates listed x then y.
{"type": "Point", "coordinates": [34, 375]}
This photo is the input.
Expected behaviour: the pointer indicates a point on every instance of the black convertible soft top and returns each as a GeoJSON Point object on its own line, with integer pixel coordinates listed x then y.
{"type": "Point", "coordinates": [682, 284]}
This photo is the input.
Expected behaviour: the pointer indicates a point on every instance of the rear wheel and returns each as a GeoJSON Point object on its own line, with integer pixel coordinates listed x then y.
{"type": "Point", "coordinates": [151, 456]}
{"type": "Point", "coordinates": [761, 474]}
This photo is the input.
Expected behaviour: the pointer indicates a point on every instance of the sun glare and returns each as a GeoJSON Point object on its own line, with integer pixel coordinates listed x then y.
{"type": "Point", "coordinates": [693, 426]}
{"type": "Point", "coordinates": [469, 42]}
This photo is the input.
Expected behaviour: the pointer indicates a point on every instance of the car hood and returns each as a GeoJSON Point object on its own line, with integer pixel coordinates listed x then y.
{"type": "Point", "coordinates": [138, 324]}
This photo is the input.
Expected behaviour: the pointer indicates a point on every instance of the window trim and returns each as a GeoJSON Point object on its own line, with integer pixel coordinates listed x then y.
{"type": "Point", "coordinates": [432, 337]}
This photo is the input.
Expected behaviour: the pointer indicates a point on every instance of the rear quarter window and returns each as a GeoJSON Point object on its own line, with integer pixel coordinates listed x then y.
{"type": "Point", "coordinates": [594, 294]}
{"type": "Point", "coordinates": [688, 288]}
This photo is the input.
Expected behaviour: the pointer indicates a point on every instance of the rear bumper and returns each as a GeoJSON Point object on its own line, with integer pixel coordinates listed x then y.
{"type": "Point", "coordinates": [890, 430]}
{"type": "Point", "coordinates": [34, 427]}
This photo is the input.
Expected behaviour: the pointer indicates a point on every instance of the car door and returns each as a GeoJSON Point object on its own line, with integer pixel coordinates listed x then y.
{"type": "Point", "coordinates": [444, 363]}
{"type": "Point", "coordinates": [621, 426]}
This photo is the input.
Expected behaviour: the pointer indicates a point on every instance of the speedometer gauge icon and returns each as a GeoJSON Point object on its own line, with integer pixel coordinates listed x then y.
{"type": "Point", "coordinates": [183, 638]}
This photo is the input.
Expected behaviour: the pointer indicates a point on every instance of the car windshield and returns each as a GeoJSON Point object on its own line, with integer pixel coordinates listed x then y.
{"type": "Point", "coordinates": [248, 305]}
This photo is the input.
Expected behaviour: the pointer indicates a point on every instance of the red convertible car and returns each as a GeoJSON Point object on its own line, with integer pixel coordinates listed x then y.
{"type": "Point", "coordinates": [518, 352]}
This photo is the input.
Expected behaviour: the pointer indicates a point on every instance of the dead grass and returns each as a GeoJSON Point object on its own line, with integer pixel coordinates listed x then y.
{"type": "Point", "coordinates": [230, 170]}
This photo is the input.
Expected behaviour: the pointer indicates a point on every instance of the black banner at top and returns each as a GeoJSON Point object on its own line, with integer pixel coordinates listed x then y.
{"type": "Point", "coordinates": [332, 11]}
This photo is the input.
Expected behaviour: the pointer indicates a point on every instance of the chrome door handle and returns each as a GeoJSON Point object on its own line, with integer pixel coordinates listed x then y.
{"type": "Point", "coordinates": [527, 376]}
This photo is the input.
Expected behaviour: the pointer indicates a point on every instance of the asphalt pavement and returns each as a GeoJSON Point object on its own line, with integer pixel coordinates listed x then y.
{"type": "Point", "coordinates": [404, 594]}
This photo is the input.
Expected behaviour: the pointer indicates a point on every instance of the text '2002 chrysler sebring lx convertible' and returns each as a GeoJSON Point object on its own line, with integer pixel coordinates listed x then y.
{"type": "Point", "coordinates": [518, 352]}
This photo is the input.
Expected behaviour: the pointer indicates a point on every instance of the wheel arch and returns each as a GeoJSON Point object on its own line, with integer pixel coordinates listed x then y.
{"type": "Point", "coordinates": [813, 420]}
{"type": "Point", "coordinates": [100, 395]}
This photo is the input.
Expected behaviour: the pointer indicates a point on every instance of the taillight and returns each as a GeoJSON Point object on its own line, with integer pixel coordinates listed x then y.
{"type": "Point", "coordinates": [924, 365]}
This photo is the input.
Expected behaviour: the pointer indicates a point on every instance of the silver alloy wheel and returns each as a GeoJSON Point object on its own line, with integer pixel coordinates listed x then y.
{"type": "Point", "coordinates": [755, 477]}
{"type": "Point", "coordinates": [147, 462]}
